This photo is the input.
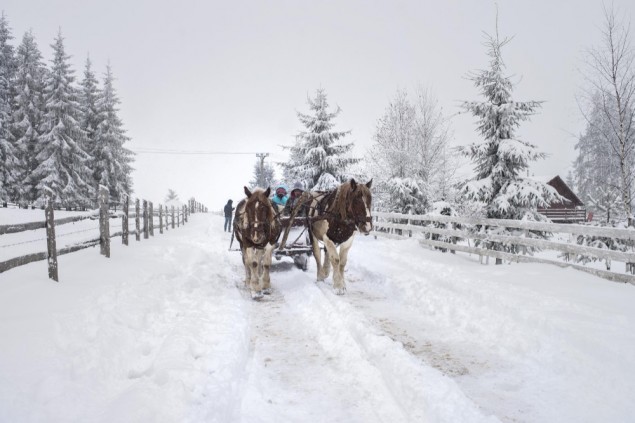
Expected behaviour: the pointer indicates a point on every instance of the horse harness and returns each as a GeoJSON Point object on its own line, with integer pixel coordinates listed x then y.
{"type": "Point", "coordinates": [340, 228]}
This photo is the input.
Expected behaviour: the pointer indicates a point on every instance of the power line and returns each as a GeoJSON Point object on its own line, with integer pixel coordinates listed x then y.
{"type": "Point", "coordinates": [190, 152]}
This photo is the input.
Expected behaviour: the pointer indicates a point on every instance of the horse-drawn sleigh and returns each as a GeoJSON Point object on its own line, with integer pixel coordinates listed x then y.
{"type": "Point", "coordinates": [328, 218]}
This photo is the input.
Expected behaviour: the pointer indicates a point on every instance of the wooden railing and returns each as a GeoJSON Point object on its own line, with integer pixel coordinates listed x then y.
{"type": "Point", "coordinates": [144, 221]}
{"type": "Point", "coordinates": [455, 228]}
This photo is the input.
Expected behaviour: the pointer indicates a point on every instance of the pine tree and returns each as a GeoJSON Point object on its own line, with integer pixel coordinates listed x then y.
{"type": "Point", "coordinates": [112, 160]}
{"type": "Point", "coordinates": [317, 159]}
{"type": "Point", "coordinates": [28, 109]}
{"type": "Point", "coordinates": [62, 169]}
{"type": "Point", "coordinates": [171, 196]}
{"type": "Point", "coordinates": [502, 159]}
{"type": "Point", "coordinates": [90, 117]}
{"type": "Point", "coordinates": [9, 162]}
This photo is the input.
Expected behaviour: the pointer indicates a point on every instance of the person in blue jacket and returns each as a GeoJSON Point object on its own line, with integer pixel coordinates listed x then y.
{"type": "Point", "coordinates": [280, 197]}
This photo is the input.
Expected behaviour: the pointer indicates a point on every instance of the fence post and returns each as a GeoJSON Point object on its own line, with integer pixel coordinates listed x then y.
{"type": "Point", "coordinates": [145, 219]}
{"type": "Point", "coordinates": [172, 217]}
{"type": "Point", "coordinates": [50, 239]}
{"type": "Point", "coordinates": [124, 221]}
{"type": "Point", "coordinates": [104, 223]}
{"type": "Point", "coordinates": [178, 217]}
{"type": "Point", "coordinates": [167, 218]}
{"type": "Point", "coordinates": [185, 210]}
{"type": "Point", "coordinates": [151, 216]}
{"type": "Point", "coordinates": [160, 219]}
{"type": "Point", "coordinates": [137, 220]}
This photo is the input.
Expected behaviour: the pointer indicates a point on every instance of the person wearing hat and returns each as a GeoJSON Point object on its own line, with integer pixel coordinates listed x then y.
{"type": "Point", "coordinates": [280, 197]}
{"type": "Point", "coordinates": [228, 215]}
{"type": "Point", "coordinates": [296, 192]}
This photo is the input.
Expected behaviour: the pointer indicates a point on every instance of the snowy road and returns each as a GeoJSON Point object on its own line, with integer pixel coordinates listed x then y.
{"type": "Point", "coordinates": [165, 332]}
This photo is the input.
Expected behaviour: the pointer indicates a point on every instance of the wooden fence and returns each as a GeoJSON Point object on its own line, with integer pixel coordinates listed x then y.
{"type": "Point", "coordinates": [451, 234]}
{"type": "Point", "coordinates": [143, 218]}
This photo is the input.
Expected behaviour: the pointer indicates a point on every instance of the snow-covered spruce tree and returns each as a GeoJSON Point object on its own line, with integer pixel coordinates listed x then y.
{"type": "Point", "coordinates": [501, 159]}
{"type": "Point", "coordinates": [89, 94]}
{"type": "Point", "coordinates": [9, 162]}
{"type": "Point", "coordinates": [171, 196]}
{"type": "Point", "coordinates": [112, 160]}
{"type": "Point", "coordinates": [317, 159]}
{"type": "Point", "coordinates": [28, 112]}
{"type": "Point", "coordinates": [62, 163]}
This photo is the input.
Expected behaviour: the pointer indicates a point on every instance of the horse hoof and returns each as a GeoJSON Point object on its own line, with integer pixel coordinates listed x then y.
{"type": "Point", "coordinates": [340, 291]}
{"type": "Point", "coordinates": [256, 295]}
{"type": "Point", "coordinates": [266, 291]}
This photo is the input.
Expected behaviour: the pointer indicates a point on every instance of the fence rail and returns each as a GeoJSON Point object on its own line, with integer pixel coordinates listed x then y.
{"type": "Point", "coordinates": [444, 233]}
{"type": "Point", "coordinates": [104, 214]}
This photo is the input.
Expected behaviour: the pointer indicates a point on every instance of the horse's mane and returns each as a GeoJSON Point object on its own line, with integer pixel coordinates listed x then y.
{"type": "Point", "coordinates": [339, 203]}
{"type": "Point", "coordinates": [343, 196]}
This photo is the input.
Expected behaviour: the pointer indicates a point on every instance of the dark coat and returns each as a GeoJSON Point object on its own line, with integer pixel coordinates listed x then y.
{"type": "Point", "coordinates": [228, 210]}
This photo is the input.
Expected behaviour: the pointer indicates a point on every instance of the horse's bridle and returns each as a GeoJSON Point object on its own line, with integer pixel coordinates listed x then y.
{"type": "Point", "coordinates": [266, 225]}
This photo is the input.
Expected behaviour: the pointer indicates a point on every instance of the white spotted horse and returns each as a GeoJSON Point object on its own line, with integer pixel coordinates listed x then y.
{"type": "Point", "coordinates": [257, 228]}
{"type": "Point", "coordinates": [335, 217]}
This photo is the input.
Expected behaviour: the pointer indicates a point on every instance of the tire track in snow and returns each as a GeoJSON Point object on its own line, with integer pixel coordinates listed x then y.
{"type": "Point", "coordinates": [310, 350]}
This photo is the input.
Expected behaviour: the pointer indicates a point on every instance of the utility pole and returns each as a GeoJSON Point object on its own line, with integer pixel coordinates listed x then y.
{"type": "Point", "coordinates": [261, 175]}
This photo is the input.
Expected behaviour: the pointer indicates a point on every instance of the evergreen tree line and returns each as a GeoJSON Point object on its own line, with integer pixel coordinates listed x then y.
{"type": "Point", "coordinates": [58, 137]}
{"type": "Point", "coordinates": [415, 170]}
{"type": "Point", "coordinates": [413, 167]}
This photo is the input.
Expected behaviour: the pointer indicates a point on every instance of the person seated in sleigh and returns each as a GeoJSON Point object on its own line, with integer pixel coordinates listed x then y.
{"type": "Point", "coordinates": [280, 198]}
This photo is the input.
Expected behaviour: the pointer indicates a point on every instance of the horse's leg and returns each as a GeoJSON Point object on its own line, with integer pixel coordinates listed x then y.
{"type": "Point", "coordinates": [344, 249]}
{"type": "Point", "coordinates": [254, 283]}
{"type": "Point", "coordinates": [333, 258]}
{"type": "Point", "coordinates": [266, 267]}
{"type": "Point", "coordinates": [319, 230]}
{"type": "Point", "coordinates": [326, 267]}
{"type": "Point", "coordinates": [247, 267]}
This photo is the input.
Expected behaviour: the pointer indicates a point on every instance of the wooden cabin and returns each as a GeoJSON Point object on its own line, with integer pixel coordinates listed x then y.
{"type": "Point", "coordinates": [572, 210]}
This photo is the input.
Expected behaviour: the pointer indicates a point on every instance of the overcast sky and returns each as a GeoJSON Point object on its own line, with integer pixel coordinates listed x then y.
{"type": "Point", "coordinates": [231, 75]}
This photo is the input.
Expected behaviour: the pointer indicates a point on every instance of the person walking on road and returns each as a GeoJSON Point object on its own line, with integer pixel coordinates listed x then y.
{"type": "Point", "coordinates": [228, 215]}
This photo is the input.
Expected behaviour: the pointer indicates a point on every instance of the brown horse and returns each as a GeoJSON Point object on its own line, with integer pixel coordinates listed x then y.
{"type": "Point", "coordinates": [335, 217]}
{"type": "Point", "coordinates": [257, 228]}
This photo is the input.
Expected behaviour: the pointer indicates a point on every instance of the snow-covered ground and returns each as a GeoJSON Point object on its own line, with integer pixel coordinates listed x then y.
{"type": "Point", "coordinates": [165, 332]}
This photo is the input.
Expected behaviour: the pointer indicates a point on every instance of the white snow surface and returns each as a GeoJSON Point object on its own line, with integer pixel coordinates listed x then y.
{"type": "Point", "coordinates": [164, 331]}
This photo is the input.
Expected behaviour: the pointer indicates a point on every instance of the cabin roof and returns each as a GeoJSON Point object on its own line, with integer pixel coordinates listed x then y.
{"type": "Point", "coordinates": [564, 190]}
